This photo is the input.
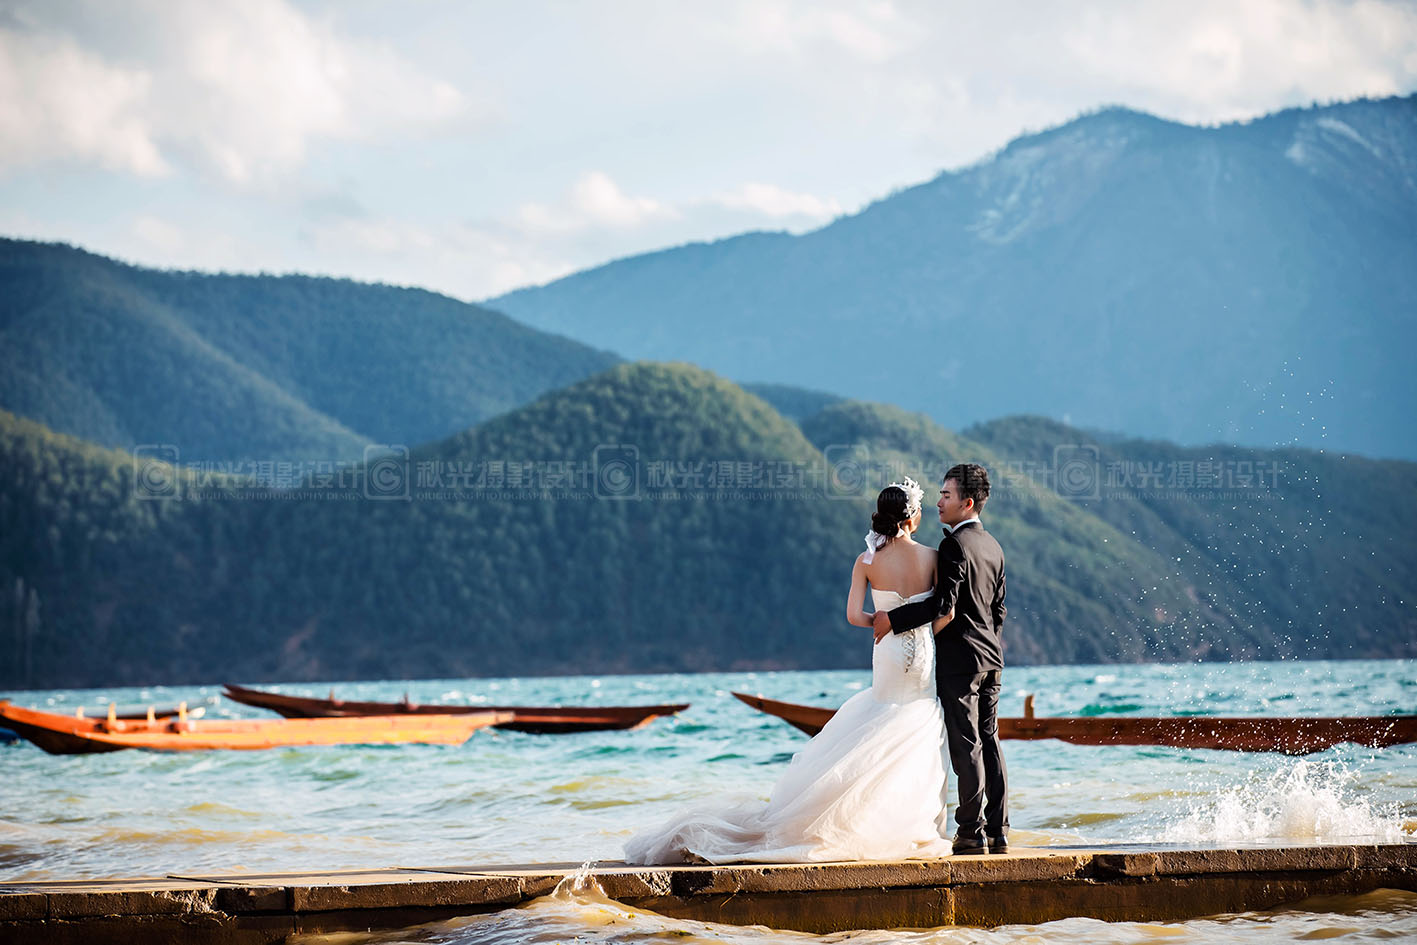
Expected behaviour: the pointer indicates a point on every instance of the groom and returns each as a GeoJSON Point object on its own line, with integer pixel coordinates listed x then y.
{"type": "Point", "coordinates": [969, 596]}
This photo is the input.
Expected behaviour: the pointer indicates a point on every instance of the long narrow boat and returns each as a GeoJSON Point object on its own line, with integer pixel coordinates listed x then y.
{"type": "Point", "coordinates": [1292, 736]}
{"type": "Point", "coordinates": [76, 734]}
{"type": "Point", "coordinates": [538, 719]}
{"type": "Point", "coordinates": [129, 712]}
{"type": "Point", "coordinates": [810, 719]}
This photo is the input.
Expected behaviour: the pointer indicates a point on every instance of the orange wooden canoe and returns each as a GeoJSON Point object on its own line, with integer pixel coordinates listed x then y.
{"type": "Point", "coordinates": [1292, 736]}
{"type": "Point", "coordinates": [524, 718]}
{"type": "Point", "coordinates": [129, 712]}
{"type": "Point", "coordinates": [71, 735]}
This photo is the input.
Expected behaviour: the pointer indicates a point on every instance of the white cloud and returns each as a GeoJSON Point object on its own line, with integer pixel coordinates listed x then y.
{"type": "Point", "coordinates": [278, 79]}
{"type": "Point", "coordinates": [595, 219]}
{"type": "Point", "coordinates": [870, 32]}
{"type": "Point", "coordinates": [1216, 60]}
{"type": "Point", "coordinates": [239, 89]}
{"type": "Point", "coordinates": [774, 202]}
{"type": "Point", "coordinates": [601, 200]}
{"type": "Point", "coordinates": [593, 200]}
{"type": "Point", "coordinates": [630, 127]}
{"type": "Point", "coordinates": [466, 260]}
{"type": "Point", "coordinates": [59, 102]}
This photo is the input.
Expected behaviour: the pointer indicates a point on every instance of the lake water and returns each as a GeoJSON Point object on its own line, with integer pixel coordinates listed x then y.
{"type": "Point", "coordinates": [516, 798]}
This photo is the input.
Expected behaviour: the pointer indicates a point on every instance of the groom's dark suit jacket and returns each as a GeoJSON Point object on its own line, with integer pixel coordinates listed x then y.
{"type": "Point", "coordinates": [969, 579]}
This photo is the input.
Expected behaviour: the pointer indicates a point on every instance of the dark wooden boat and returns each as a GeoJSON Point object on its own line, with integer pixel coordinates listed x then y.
{"type": "Point", "coordinates": [1292, 736]}
{"type": "Point", "coordinates": [78, 734]}
{"type": "Point", "coordinates": [536, 719]}
{"type": "Point", "coordinates": [805, 718]}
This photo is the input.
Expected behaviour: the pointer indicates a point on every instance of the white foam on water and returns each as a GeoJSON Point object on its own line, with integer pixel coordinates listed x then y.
{"type": "Point", "coordinates": [1305, 801]}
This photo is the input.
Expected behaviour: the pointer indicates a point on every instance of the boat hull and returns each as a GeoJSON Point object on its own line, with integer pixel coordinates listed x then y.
{"type": "Point", "coordinates": [1290, 736]}
{"type": "Point", "coordinates": [70, 735]}
{"type": "Point", "coordinates": [1293, 736]}
{"type": "Point", "coordinates": [545, 720]}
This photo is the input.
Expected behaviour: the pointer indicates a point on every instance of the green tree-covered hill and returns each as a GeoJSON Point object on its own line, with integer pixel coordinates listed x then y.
{"type": "Point", "coordinates": [1311, 550]}
{"type": "Point", "coordinates": [652, 517]}
{"type": "Point", "coordinates": [256, 367]}
{"type": "Point", "coordinates": [1080, 590]}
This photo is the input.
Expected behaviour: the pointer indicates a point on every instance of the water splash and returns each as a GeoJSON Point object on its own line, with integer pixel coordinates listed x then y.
{"type": "Point", "coordinates": [1306, 801]}
{"type": "Point", "coordinates": [578, 884]}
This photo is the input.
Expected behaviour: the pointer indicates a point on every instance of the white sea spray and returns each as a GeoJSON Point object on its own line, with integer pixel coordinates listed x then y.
{"type": "Point", "coordinates": [1313, 801]}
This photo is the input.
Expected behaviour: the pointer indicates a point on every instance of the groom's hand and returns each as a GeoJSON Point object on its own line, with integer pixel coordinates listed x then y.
{"type": "Point", "coordinates": [881, 624]}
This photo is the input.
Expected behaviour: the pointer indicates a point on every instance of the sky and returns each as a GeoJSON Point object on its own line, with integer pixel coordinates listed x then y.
{"type": "Point", "coordinates": [476, 147]}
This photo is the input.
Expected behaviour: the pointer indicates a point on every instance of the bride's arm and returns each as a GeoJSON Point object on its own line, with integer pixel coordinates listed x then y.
{"type": "Point", "coordinates": [855, 615]}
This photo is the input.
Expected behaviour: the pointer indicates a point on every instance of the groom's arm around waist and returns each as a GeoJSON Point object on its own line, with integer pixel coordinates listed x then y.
{"type": "Point", "coordinates": [949, 571]}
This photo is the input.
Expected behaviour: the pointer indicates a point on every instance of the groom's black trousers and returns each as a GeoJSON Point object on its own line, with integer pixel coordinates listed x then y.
{"type": "Point", "coordinates": [971, 707]}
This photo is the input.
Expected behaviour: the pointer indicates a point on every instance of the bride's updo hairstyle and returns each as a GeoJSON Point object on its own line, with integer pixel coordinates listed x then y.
{"type": "Point", "coordinates": [891, 511]}
{"type": "Point", "coordinates": [897, 504]}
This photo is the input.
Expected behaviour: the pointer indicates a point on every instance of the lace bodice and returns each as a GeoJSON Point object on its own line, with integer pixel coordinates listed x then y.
{"type": "Point", "coordinates": [903, 664]}
{"type": "Point", "coordinates": [890, 600]}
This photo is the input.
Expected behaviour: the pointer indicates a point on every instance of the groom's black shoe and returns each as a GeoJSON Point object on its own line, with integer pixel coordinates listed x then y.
{"type": "Point", "coordinates": [999, 844]}
{"type": "Point", "coordinates": [969, 846]}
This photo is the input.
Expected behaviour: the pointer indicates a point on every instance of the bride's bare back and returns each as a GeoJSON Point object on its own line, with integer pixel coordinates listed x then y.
{"type": "Point", "coordinates": [903, 566]}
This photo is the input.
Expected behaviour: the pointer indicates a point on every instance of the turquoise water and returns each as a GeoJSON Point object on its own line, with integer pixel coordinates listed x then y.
{"type": "Point", "coordinates": [506, 797]}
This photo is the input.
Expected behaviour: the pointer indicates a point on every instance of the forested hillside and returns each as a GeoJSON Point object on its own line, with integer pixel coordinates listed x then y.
{"type": "Point", "coordinates": [659, 518]}
{"type": "Point", "coordinates": [256, 367]}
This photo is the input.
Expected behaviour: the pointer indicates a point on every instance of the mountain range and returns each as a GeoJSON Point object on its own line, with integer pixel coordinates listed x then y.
{"type": "Point", "coordinates": [1247, 283]}
{"type": "Point", "coordinates": [471, 496]}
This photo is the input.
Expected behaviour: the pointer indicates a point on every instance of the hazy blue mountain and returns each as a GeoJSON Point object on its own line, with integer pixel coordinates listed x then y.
{"type": "Point", "coordinates": [516, 548]}
{"type": "Point", "coordinates": [794, 403]}
{"type": "Point", "coordinates": [231, 367]}
{"type": "Point", "coordinates": [1253, 283]}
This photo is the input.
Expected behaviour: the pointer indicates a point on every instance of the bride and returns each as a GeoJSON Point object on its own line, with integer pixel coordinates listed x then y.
{"type": "Point", "coordinates": [871, 784]}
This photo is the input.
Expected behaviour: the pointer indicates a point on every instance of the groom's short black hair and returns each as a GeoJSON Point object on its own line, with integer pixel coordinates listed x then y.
{"type": "Point", "coordinates": [973, 482]}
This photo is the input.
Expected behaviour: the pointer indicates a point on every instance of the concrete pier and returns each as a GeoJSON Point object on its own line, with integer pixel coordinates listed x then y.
{"type": "Point", "coordinates": [1124, 883]}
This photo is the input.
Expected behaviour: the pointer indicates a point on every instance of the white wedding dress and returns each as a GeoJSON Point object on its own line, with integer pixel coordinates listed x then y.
{"type": "Point", "coordinates": [869, 786]}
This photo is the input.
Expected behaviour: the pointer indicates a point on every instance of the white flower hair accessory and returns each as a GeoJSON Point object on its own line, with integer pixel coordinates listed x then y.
{"type": "Point", "coordinates": [913, 496]}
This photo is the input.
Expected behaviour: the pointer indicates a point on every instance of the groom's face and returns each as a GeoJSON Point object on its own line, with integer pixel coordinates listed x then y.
{"type": "Point", "coordinates": [953, 509]}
